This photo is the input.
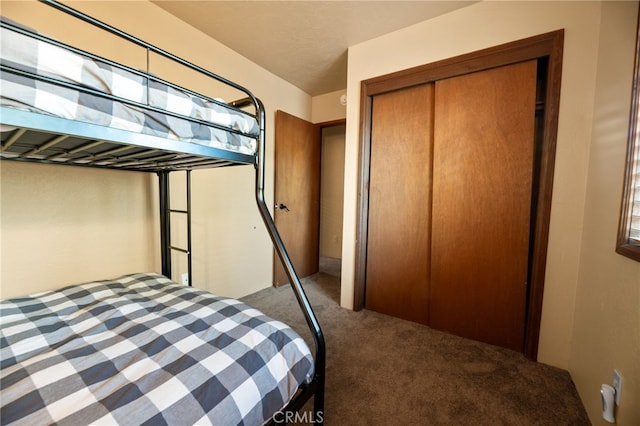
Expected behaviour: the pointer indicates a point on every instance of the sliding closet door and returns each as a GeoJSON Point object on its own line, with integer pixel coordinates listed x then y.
{"type": "Point", "coordinates": [482, 185]}
{"type": "Point", "coordinates": [399, 203]}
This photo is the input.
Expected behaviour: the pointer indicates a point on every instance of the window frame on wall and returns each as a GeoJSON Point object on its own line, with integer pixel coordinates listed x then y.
{"type": "Point", "coordinates": [629, 226]}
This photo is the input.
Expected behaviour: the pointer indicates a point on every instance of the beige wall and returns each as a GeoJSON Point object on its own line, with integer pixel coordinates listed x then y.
{"type": "Point", "coordinates": [328, 107]}
{"type": "Point", "coordinates": [332, 191]}
{"type": "Point", "coordinates": [53, 233]}
{"type": "Point", "coordinates": [606, 331]}
{"type": "Point", "coordinates": [589, 166]}
{"type": "Point", "coordinates": [221, 196]}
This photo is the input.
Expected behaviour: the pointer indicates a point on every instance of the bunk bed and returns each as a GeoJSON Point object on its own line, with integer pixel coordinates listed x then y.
{"type": "Point", "coordinates": [141, 348]}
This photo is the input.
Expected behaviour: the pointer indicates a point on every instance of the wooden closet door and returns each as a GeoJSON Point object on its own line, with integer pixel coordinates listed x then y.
{"type": "Point", "coordinates": [483, 162]}
{"type": "Point", "coordinates": [399, 203]}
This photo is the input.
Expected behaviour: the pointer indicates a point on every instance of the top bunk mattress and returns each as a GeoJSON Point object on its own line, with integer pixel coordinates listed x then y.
{"type": "Point", "coordinates": [74, 85]}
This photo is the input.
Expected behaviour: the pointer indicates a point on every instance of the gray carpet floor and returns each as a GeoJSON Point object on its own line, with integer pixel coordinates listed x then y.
{"type": "Point", "coordinates": [386, 371]}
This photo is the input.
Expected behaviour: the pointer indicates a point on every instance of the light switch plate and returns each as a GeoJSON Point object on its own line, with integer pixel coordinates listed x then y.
{"type": "Point", "coordinates": [617, 384]}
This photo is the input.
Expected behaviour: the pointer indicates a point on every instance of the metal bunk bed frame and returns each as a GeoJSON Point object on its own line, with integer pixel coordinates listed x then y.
{"type": "Point", "coordinates": [56, 140]}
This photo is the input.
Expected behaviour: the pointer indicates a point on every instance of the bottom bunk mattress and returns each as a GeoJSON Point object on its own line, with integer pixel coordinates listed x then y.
{"type": "Point", "coordinates": [142, 349]}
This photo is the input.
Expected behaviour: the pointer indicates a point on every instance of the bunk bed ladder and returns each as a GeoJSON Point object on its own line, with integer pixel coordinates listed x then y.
{"type": "Point", "coordinates": [165, 225]}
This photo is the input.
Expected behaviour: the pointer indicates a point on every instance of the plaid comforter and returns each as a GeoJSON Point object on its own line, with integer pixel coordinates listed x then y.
{"type": "Point", "coordinates": [41, 58]}
{"type": "Point", "coordinates": [144, 350]}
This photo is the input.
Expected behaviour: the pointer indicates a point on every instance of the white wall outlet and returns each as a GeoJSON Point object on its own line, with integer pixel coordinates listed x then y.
{"type": "Point", "coordinates": [608, 395]}
{"type": "Point", "coordinates": [617, 385]}
{"type": "Point", "coordinates": [185, 279]}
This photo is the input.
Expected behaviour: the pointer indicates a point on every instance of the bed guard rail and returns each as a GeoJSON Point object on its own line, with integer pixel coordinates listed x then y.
{"type": "Point", "coordinates": [248, 100]}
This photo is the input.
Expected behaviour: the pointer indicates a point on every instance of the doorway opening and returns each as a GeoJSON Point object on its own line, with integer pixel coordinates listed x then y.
{"type": "Point", "coordinates": [332, 144]}
{"type": "Point", "coordinates": [309, 181]}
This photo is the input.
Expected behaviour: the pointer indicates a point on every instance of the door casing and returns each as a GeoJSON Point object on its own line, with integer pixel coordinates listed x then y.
{"type": "Point", "coordinates": [548, 47]}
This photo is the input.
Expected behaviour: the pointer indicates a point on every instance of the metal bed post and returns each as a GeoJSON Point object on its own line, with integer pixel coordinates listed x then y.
{"type": "Point", "coordinates": [296, 286]}
{"type": "Point", "coordinates": [189, 257]}
{"type": "Point", "coordinates": [165, 223]}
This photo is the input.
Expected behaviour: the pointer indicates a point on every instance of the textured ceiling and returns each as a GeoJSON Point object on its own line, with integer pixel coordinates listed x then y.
{"type": "Point", "coordinates": [303, 42]}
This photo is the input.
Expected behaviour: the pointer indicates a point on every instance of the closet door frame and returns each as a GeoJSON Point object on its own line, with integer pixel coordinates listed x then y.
{"type": "Point", "coordinates": [547, 46]}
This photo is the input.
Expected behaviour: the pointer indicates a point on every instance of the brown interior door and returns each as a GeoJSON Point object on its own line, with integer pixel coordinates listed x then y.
{"type": "Point", "coordinates": [399, 203]}
{"type": "Point", "coordinates": [482, 186]}
{"type": "Point", "coordinates": [297, 192]}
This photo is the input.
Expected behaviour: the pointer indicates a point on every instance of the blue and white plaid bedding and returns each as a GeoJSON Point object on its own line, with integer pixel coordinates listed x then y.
{"type": "Point", "coordinates": [144, 350]}
{"type": "Point", "coordinates": [42, 58]}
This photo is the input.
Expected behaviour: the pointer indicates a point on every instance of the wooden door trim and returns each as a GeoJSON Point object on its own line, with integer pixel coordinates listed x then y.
{"type": "Point", "coordinates": [332, 123]}
{"type": "Point", "coordinates": [535, 47]}
{"type": "Point", "coordinates": [548, 45]}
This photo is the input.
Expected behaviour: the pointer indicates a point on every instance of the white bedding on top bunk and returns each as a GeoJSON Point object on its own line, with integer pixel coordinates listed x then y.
{"type": "Point", "coordinates": [38, 57]}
